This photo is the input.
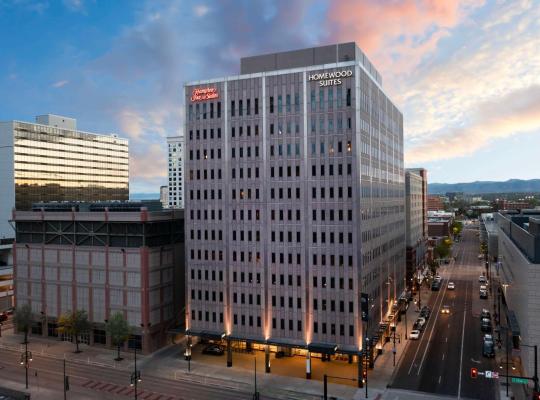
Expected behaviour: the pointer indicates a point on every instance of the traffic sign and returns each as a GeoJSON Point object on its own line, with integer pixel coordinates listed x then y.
{"type": "Point", "coordinates": [520, 380]}
{"type": "Point", "coordinates": [488, 374]}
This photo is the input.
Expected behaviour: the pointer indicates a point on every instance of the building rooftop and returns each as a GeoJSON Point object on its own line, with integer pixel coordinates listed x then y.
{"type": "Point", "coordinates": [523, 228]}
{"type": "Point", "coordinates": [334, 53]}
{"type": "Point", "coordinates": [99, 206]}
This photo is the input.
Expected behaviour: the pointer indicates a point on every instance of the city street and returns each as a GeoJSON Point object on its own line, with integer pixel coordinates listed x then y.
{"type": "Point", "coordinates": [91, 382]}
{"type": "Point", "coordinates": [451, 344]}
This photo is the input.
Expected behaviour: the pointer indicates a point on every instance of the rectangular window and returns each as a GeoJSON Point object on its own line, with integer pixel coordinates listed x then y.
{"type": "Point", "coordinates": [219, 109]}
{"type": "Point", "coordinates": [248, 109]}
{"type": "Point", "coordinates": [297, 102]}
{"type": "Point", "coordinates": [321, 99]}
{"type": "Point", "coordinates": [240, 108]}
{"type": "Point", "coordinates": [256, 106]}
{"type": "Point", "coordinates": [288, 102]}
{"type": "Point", "coordinates": [348, 97]}
{"type": "Point", "coordinates": [313, 104]}
{"type": "Point", "coordinates": [232, 108]}
{"type": "Point", "coordinates": [279, 104]}
{"type": "Point", "coordinates": [271, 104]}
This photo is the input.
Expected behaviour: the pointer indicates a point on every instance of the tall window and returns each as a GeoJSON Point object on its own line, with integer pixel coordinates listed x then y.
{"type": "Point", "coordinates": [321, 99]}
{"type": "Point", "coordinates": [288, 102]}
{"type": "Point", "coordinates": [313, 105]}
{"type": "Point", "coordinates": [271, 104]}
{"type": "Point", "coordinates": [330, 98]}
{"type": "Point", "coordinates": [279, 104]}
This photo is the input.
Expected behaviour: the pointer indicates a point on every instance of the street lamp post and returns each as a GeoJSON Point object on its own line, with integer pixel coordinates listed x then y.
{"type": "Point", "coordinates": [255, 393]}
{"type": "Point", "coordinates": [26, 357]}
{"type": "Point", "coordinates": [135, 375]}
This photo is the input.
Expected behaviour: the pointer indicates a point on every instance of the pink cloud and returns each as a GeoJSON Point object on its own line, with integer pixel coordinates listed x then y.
{"type": "Point", "coordinates": [405, 30]}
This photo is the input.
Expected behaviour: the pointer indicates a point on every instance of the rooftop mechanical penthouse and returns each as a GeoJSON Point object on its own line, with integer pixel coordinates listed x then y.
{"type": "Point", "coordinates": [294, 203]}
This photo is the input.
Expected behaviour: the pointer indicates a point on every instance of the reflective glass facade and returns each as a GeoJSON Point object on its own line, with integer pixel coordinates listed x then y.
{"type": "Point", "coordinates": [54, 164]}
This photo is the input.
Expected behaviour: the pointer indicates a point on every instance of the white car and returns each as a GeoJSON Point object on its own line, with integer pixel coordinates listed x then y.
{"type": "Point", "coordinates": [451, 286]}
{"type": "Point", "coordinates": [414, 335]}
{"type": "Point", "coordinates": [438, 278]}
{"type": "Point", "coordinates": [483, 287]}
{"type": "Point", "coordinates": [482, 279]}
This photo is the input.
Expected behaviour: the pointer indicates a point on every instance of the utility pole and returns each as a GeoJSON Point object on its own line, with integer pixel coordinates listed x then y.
{"type": "Point", "coordinates": [394, 348]}
{"type": "Point", "coordinates": [325, 387]}
{"type": "Point", "coordinates": [66, 381]}
{"type": "Point", "coordinates": [255, 393]}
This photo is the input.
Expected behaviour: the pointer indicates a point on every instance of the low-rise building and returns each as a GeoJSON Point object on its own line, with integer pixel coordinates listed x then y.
{"type": "Point", "coordinates": [434, 203]}
{"type": "Point", "coordinates": [103, 258]}
{"type": "Point", "coordinates": [518, 272]}
{"type": "Point", "coordinates": [6, 274]}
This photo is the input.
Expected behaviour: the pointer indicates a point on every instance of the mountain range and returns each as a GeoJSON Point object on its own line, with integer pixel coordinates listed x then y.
{"type": "Point", "coordinates": [478, 187]}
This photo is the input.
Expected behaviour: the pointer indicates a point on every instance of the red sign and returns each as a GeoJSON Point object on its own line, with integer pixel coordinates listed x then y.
{"type": "Point", "coordinates": [203, 94]}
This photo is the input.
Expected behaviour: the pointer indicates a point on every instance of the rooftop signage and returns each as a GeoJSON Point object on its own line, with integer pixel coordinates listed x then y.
{"type": "Point", "coordinates": [202, 94]}
{"type": "Point", "coordinates": [330, 78]}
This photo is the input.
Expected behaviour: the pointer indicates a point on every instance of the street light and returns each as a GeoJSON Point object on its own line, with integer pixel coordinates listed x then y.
{"type": "Point", "coordinates": [26, 357]}
{"type": "Point", "coordinates": [135, 375]}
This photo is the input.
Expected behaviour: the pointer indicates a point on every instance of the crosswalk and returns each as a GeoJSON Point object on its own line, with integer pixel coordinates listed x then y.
{"type": "Point", "coordinates": [123, 390]}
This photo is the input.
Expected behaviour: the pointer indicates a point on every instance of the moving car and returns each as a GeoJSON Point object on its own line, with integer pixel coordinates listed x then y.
{"type": "Point", "coordinates": [451, 286]}
{"type": "Point", "coordinates": [214, 350]}
{"type": "Point", "coordinates": [445, 309]}
{"type": "Point", "coordinates": [483, 294]}
{"type": "Point", "coordinates": [485, 325]}
{"type": "Point", "coordinates": [483, 287]}
{"type": "Point", "coordinates": [3, 316]}
{"type": "Point", "coordinates": [414, 335]}
{"type": "Point", "coordinates": [485, 314]}
{"type": "Point", "coordinates": [435, 286]}
{"type": "Point", "coordinates": [482, 279]}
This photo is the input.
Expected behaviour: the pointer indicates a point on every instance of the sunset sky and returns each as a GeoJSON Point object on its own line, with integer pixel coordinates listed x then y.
{"type": "Point", "coordinates": [465, 74]}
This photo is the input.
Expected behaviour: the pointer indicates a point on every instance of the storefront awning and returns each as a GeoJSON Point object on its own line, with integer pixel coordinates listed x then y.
{"type": "Point", "coordinates": [323, 348]}
{"type": "Point", "coordinates": [513, 323]}
{"type": "Point", "coordinates": [212, 335]}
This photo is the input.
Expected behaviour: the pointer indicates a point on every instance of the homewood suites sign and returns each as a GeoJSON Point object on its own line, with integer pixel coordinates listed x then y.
{"type": "Point", "coordinates": [330, 78]}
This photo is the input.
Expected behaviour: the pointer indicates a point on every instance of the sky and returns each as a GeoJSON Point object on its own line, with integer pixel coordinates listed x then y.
{"type": "Point", "coordinates": [465, 73]}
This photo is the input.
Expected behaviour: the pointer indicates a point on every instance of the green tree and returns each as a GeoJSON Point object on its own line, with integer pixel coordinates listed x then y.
{"type": "Point", "coordinates": [118, 329]}
{"type": "Point", "coordinates": [457, 228]}
{"type": "Point", "coordinates": [75, 324]}
{"type": "Point", "coordinates": [22, 319]}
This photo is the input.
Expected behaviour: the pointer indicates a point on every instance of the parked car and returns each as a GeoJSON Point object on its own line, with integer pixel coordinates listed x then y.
{"type": "Point", "coordinates": [485, 314]}
{"type": "Point", "coordinates": [3, 316]}
{"type": "Point", "coordinates": [425, 312]}
{"type": "Point", "coordinates": [485, 325]}
{"type": "Point", "coordinates": [451, 286]}
{"type": "Point", "coordinates": [482, 279]}
{"type": "Point", "coordinates": [488, 347]}
{"type": "Point", "coordinates": [10, 311]}
{"type": "Point", "coordinates": [435, 286]}
{"type": "Point", "coordinates": [445, 309]}
{"type": "Point", "coordinates": [483, 287]}
{"type": "Point", "coordinates": [438, 278]}
{"type": "Point", "coordinates": [414, 335]}
{"type": "Point", "coordinates": [214, 350]}
{"type": "Point", "coordinates": [420, 322]}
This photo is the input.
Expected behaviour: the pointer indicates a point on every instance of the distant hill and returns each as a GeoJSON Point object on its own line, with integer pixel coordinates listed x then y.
{"type": "Point", "coordinates": [144, 196]}
{"type": "Point", "coordinates": [509, 186]}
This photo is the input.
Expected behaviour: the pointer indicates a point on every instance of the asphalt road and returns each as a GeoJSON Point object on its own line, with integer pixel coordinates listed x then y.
{"type": "Point", "coordinates": [93, 382]}
{"type": "Point", "coordinates": [441, 360]}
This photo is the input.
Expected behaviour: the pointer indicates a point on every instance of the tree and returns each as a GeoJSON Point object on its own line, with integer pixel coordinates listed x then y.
{"type": "Point", "coordinates": [74, 323]}
{"type": "Point", "coordinates": [22, 319]}
{"type": "Point", "coordinates": [118, 329]}
{"type": "Point", "coordinates": [457, 227]}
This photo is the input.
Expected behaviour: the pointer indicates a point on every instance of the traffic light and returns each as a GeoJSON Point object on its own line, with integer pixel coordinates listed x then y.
{"type": "Point", "coordinates": [536, 395]}
{"type": "Point", "coordinates": [474, 373]}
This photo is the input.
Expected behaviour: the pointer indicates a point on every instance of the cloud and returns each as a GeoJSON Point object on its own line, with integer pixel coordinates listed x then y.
{"type": "Point", "coordinates": [75, 5]}
{"type": "Point", "coordinates": [396, 34]}
{"type": "Point", "coordinates": [201, 10]}
{"type": "Point", "coordinates": [60, 84]}
{"type": "Point", "coordinates": [148, 163]}
{"type": "Point", "coordinates": [515, 113]}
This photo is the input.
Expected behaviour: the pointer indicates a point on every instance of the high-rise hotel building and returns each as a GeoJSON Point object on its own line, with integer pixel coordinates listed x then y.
{"type": "Point", "coordinates": [51, 160]}
{"type": "Point", "coordinates": [295, 202]}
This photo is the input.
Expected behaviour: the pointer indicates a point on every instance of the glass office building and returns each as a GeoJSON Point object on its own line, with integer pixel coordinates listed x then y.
{"type": "Point", "coordinates": [52, 161]}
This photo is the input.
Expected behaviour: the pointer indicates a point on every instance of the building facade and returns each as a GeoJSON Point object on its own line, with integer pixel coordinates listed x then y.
{"type": "Point", "coordinates": [434, 203]}
{"type": "Point", "coordinates": [176, 171]}
{"type": "Point", "coordinates": [51, 160]}
{"type": "Point", "coordinates": [416, 219]}
{"type": "Point", "coordinates": [518, 281]}
{"type": "Point", "coordinates": [6, 274]}
{"type": "Point", "coordinates": [164, 196]}
{"type": "Point", "coordinates": [295, 201]}
{"type": "Point", "coordinates": [101, 258]}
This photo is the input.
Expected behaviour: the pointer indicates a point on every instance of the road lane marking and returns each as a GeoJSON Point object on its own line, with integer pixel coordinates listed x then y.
{"type": "Point", "coordinates": [462, 341]}
{"type": "Point", "coordinates": [443, 356]}
{"type": "Point", "coordinates": [439, 379]}
{"type": "Point", "coordinates": [413, 362]}
{"type": "Point", "coordinates": [431, 334]}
